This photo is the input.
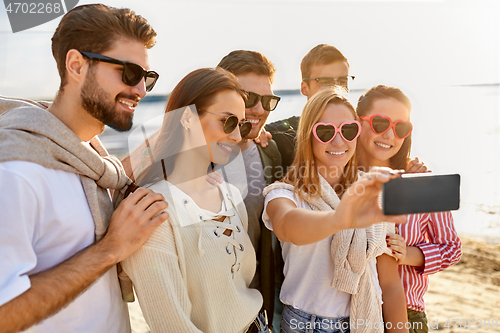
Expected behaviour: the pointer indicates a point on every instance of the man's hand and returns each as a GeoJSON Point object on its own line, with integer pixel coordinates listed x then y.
{"type": "Point", "coordinates": [263, 138]}
{"type": "Point", "coordinates": [131, 224]}
{"type": "Point", "coordinates": [134, 220]}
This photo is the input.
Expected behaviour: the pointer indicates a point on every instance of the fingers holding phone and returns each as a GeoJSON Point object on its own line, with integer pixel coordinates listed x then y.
{"type": "Point", "coordinates": [361, 200]}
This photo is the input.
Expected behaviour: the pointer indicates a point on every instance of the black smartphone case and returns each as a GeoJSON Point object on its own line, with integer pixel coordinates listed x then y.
{"type": "Point", "coordinates": [421, 194]}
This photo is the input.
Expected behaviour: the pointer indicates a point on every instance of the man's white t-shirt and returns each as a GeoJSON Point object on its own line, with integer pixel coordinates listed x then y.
{"type": "Point", "coordinates": [309, 271]}
{"type": "Point", "coordinates": [44, 220]}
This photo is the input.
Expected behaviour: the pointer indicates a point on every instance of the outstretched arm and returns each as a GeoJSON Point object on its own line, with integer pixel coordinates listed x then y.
{"type": "Point", "coordinates": [358, 208]}
{"type": "Point", "coordinates": [288, 222]}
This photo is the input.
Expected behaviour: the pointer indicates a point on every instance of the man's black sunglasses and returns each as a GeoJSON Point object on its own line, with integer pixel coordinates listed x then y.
{"type": "Point", "coordinates": [132, 73]}
{"type": "Point", "coordinates": [269, 102]}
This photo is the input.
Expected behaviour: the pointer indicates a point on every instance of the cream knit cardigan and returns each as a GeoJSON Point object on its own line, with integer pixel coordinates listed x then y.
{"type": "Point", "coordinates": [351, 251]}
{"type": "Point", "coordinates": [184, 277]}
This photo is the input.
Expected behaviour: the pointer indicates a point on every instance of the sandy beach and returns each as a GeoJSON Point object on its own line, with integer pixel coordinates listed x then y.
{"type": "Point", "coordinates": [468, 291]}
{"type": "Point", "coordinates": [466, 295]}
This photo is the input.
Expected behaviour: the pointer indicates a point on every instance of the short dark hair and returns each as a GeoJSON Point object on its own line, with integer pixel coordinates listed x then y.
{"type": "Point", "coordinates": [322, 54]}
{"type": "Point", "coordinates": [94, 28]}
{"type": "Point", "coordinates": [242, 62]}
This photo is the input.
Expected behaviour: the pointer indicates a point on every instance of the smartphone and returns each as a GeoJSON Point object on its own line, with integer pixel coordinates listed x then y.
{"type": "Point", "coordinates": [421, 193]}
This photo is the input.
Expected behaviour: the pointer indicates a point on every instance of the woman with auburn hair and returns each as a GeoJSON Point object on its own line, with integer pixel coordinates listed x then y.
{"type": "Point", "coordinates": [193, 273]}
{"type": "Point", "coordinates": [332, 255]}
{"type": "Point", "coordinates": [428, 242]}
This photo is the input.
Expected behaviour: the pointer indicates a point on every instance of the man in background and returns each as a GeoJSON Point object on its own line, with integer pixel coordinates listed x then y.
{"type": "Point", "coordinates": [324, 65]}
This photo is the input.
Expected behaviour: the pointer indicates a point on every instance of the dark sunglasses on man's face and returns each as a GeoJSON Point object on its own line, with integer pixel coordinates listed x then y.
{"type": "Point", "coordinates": [231, 122]}
{"type": "Point", "coordinates": [269, 102]}
{"type": "Point", "coordinates": [132, 73]}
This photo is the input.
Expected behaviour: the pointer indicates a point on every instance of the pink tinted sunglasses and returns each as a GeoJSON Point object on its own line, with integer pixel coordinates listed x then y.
{"type": "Point", "coordinates": [381, 124]}
{"type": "Point", "coordinates": [325, 132]}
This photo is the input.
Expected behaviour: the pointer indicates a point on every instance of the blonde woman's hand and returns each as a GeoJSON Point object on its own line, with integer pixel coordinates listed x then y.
{"type": "Point", "coordinates": [359, 207]}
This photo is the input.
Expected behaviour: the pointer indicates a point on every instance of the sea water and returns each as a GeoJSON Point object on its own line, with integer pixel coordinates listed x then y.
{"type": "Point", "coordinates": [456, 130]}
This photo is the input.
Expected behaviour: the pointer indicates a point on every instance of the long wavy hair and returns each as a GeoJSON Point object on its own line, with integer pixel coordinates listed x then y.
{"type": "Point", "coordinates": [198, 88]}
{"type": "Point", "coordinates": [303, 173]}
{"type": "Point", "coordinates": [365, 104]}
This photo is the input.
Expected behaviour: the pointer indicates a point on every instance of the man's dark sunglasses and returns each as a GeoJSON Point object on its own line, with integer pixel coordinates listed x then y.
{"type": "Point", "coordinates": [269, 102]}
{"type": "Point", "coordinates": [132, 73]}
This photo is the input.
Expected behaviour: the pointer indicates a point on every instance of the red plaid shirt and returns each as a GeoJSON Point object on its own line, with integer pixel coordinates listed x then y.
{"type": "Point", "coordinates": [435, 235]}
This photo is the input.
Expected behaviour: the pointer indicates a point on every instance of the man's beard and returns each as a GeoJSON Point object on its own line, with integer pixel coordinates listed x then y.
{"type": "Point", "coordinates": [97, 103]}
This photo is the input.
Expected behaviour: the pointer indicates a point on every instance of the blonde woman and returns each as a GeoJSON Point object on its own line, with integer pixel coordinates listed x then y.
{"type": "Point", "coordinates": [331, 255]}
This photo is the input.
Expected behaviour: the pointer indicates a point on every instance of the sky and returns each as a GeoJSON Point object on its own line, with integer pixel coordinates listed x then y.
{"type": "Point", "coordinates": [408, 44]}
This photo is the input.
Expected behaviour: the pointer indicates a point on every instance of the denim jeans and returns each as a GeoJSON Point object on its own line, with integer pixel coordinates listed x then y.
{"type": "Point", "coordinates": [297, 321]}
{"type": "Point", "coordinates": [260, 324]}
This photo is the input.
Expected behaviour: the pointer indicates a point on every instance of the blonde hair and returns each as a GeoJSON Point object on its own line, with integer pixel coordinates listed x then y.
{"type": "Point", "coordinates": [303, 173]}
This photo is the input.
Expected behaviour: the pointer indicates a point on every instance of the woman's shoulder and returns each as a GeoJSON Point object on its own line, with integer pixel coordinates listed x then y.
{"type": "Point", "coordinates": [174, 197]}
{"type": "Point", "coordinates": [170, 192]}
{"type": "Point", "coordinates": [279, 189]}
